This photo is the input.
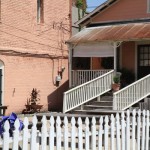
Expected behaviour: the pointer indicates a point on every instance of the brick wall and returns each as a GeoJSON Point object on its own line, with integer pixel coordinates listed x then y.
{"type": "Point", "coordinates": [33, 53]}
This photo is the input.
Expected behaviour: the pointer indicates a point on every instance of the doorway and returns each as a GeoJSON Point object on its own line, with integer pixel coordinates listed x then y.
{"type": "Point", "coordinates": [143, 60]}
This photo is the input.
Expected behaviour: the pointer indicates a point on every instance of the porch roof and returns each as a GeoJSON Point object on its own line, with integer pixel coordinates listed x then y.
{"type": "Point", "coordinates": [121, 32]}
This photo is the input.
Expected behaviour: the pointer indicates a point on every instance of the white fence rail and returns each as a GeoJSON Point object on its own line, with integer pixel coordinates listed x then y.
{"type": "Point", "coordinates": [131, 94]}
{"type": "Point", "coordinates": [81, 76]}
{"type": "Point", "coordinates": [119, 132]}
{"type": "Point", "coordinates": [87, 91]}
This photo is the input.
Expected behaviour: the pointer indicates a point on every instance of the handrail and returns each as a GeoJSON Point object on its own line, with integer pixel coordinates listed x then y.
{"type": "Point", "coordinates": [131, 94]}
{"type": "Point", "coordinates": [83, 93]}
{"type": "Point", "coordinates": [79, 77]}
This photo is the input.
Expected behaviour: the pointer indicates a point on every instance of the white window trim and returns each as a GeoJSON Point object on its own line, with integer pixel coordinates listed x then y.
{"type": "Point", "coordinates": [40, 11]}
{"type": "Point", "coordinates": [2, 67]}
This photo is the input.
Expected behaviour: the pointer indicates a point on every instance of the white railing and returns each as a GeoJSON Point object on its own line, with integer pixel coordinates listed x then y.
{"type": "Point", "coordinates": [87, 91]}
{"type": "Point", "coordinates": [119, 132]}
{"type": "Point", "coordinates": [81, 76]}
{"type": "Point", "coordinates": [131, 94]}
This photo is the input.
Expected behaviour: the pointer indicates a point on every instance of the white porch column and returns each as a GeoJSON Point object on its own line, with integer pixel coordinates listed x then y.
{"type": "Point", "coordinates": [70, 65]}
{"type": "Point", "coordinates": [115, 55]}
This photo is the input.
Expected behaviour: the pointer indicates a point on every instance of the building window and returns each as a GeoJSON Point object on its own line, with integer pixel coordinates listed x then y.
{"type": "Point", "coordinates": [148, 6]}
{"type": "Point", "coordinates": [40, 11]}
{"type": "Point", "coordinates": [1, 83]}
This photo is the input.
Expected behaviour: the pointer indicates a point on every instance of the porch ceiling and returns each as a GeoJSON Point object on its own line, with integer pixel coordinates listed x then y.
{"type": "Point", "coordinates": [121, 32]}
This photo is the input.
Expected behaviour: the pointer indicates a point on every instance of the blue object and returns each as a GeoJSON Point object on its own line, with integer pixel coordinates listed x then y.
{"type": "Point", "coordinates": [11, 119]}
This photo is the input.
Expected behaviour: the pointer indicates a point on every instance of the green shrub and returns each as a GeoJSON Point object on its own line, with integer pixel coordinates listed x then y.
{"type": "Point", "coordinates": [116, 79]}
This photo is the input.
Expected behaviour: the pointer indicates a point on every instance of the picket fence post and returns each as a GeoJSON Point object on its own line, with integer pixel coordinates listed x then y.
{"type": "Point", "coordinates": [100, 133]}
{"type": "Point", "coordinates": [138, 130]}
{"type": "Point", "coordinates": [25, 134]}
{"type": "Point", "coordinates": [118, 132]}
{"type": "Point", "coordinates": [123, 130]}
{"type": "Point", "coordinates": [73, 132]}
{"type": "Point", "coordinates": [87, 133]}
{"type": "Point", "coordinates": [147, 131]}
{"type": "Point", "coordinates": [6, 136]}
{"type": "Point", "coordinates": [143, 130]}
{"type": "Point", "coordinates": [34, 133]}
{"type": "Point", "coordinates": [106, 133]}
{"type": "Point", "coordinates": [133, 129]}
{"type": "Point", "coordinates": [128, 131]}
{"type": "Point", "coordinates": [16, 134]}
{"type": "Point", "coordinates": [44, 133]}
{"type": "Point", "coordinates": [51, 133]}
{"type": "Point", "coordinates": [80, 138]}
{"type": "Point", "coordinates": [58, 133]}
{"type": "Point", "coordinates": [93, 146]}
{"type": "Point", "coordinates": [112, 131]}
{"type": "Point", "coordinates": [66, 133]}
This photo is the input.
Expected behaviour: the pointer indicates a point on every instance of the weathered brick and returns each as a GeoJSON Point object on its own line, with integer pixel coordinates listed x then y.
{"type": "Point", "coordinates": [20, 32]}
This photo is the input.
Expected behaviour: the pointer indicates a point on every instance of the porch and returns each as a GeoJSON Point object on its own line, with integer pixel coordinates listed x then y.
{"type": "Point", "coordinates": [93, 53]}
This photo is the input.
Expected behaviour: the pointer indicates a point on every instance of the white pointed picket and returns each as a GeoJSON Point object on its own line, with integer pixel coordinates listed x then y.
{"type": "Point", "coordinates": [118, 132]}
{"type": "Point", "coordinates": [143, 130]}
{"type": "Point", "coordinates": [133, 130]}
{"type": "Point", "coordinates": [25, 134]}
{"type": "Point", "coordinates": [66, 133]}
{"type": "Point", "coordinates": [123, 131]}
{"type": "Point", "coordinates": [147, 131]}
{"type": "Point", "coordinates": [34, 134]}
{"type": "Point", "coordinates": [93, 146]}
{"type": "Point", "coordinates": [100, 133]}
{"type": "Point", "coordinates": [16, 134]}
{"type": "Point", "coordinates": [112, 131]}
{"type": "Point", "coordinates": [138, 130]}
{"type": "Point", "coordinates": [130, 131]}
{"type": "Point", "coordinates": [73, 132]}
{"type": "Point", "coordinates": [87, 134]}
{"type": "Point", "coordinates": [106, 133]}
{"type": "Point", "coordinates": [44, 133]}
{"type": "Point", "coordinates": [80, 138]}
{"type": "Point", "coordinates": [51, 133]}
{"type": "Point", "coordinates": [6, 136]}
{"type": "Point", "coordinates": [58, 133]}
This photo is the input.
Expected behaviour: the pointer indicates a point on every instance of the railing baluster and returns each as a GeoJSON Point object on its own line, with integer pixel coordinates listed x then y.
{"type": "Point", "coordinates": [132, 93]}
{"type": "Point", "coordinates": [87, 91]}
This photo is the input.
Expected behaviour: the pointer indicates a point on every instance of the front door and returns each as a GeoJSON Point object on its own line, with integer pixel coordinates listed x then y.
{"type": "Point", "coordinates": [143, 60]}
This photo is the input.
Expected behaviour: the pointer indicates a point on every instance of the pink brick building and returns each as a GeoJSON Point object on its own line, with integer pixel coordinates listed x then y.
{"type": "Point", "coordinates": [33, 51]}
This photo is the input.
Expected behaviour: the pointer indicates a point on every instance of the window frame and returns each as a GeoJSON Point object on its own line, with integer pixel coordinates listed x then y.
{"type": "Point", "coordinates": [40, 11]}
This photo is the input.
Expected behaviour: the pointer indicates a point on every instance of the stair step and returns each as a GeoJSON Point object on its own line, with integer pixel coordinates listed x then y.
{"type": "Point", "coordinates": [98, 111]}
{"type": "Point", "coordinates": [106, 98]}
{"type": "Point", "coordinates": [96, 106]}
{"type": "Point", "coordinates": [102, 103]}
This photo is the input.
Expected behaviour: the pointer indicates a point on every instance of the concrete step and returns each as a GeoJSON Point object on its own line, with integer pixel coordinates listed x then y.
{"type": "Point", "coordinates": [97, 107]}
{"type": "Point", "coordinates": [106, 98]}
{"type": "Point", "coordinates": [98, 112]}
{"type": "Point", "coordinates": [102, 103]}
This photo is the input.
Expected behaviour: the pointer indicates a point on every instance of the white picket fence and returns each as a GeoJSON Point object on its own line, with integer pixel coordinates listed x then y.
{"type": "Point", "coordinates": [128, 131]}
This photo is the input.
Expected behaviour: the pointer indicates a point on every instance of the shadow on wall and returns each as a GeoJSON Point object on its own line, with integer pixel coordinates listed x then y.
{"type": "Point", "coordinates": [55, 99]}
